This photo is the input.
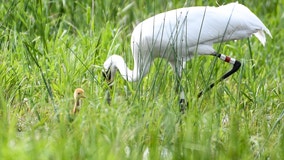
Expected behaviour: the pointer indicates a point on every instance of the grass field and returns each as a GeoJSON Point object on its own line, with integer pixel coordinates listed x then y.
{"type": "Point", "coordinates": [49, 48]}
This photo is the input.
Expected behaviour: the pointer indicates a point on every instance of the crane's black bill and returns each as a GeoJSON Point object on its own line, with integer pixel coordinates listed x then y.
{"type": "Point", "coordinates": [107, 77]}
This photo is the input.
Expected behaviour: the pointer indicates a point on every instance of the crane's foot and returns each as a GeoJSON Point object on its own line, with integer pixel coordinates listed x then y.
{"type": "Point", "coordinates": [183, 105]}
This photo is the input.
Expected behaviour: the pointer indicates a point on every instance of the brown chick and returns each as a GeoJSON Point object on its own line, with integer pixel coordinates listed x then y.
{"type": "Point", "coordinates": [78, 94]}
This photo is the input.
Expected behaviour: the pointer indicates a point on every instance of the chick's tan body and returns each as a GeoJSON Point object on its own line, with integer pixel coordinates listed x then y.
{"type": "Point", "coordinates": [78, 95]}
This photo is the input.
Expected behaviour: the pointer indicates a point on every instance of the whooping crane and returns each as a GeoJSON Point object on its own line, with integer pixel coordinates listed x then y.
{"type": "Point", "coordinates": [179, 34]}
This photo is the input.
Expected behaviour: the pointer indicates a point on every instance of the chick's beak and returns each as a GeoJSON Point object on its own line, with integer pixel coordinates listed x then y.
{"type": "Point", "coordinates": [83, 96]}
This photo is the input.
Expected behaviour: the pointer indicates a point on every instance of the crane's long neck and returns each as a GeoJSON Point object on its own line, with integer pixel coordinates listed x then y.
{"type": "Point", "coordinates": [126, 73]}
{"type": "Point", "coordinates": [138, 72]}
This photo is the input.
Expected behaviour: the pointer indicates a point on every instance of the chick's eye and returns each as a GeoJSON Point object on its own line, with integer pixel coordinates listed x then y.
{"type": "Point", "coordinates": [79, 93]}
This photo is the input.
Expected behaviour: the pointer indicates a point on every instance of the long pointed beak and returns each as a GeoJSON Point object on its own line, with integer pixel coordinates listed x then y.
{"type": "Point", "coordinates": [107, 76]}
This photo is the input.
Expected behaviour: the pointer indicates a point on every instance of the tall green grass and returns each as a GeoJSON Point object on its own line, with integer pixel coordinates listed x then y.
{"type": "Point", "coordinates": [48, 48]}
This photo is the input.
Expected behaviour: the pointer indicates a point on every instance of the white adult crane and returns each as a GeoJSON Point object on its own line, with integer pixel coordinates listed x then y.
{"type": "Point", "coordinates": [179, 34]}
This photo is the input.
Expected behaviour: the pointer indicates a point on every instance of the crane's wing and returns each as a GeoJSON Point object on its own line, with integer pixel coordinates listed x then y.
{"type": "Point", "coordinates": [207, 25]}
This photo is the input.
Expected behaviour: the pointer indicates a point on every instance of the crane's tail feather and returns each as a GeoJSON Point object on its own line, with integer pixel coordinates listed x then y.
{"type": "Point", "coordinates": [260, 35]}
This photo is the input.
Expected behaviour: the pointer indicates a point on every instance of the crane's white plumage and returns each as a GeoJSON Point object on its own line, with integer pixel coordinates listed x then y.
{"type": "Point", "coordinates": [178, 34]}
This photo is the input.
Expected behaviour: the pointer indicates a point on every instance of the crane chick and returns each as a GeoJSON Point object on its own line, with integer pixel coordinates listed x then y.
{"type": "Point", "coordinates": [78, 95]}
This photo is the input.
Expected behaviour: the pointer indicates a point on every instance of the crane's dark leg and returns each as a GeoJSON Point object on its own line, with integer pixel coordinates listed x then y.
{"type": "Point", "coordinates": [236, 65]}
{"type": "Point", "coordinates": [178, 66]}
{"type": "Point", "coordinates": [182, 102]}
{"type": "Point", "coordinates": [179, 89]}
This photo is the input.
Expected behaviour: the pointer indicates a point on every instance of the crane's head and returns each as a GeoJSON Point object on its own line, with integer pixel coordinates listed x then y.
{"type": "Point", "coordinates": [79, 93]}
{"type": "Point", "coordinates": [109, 70]}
